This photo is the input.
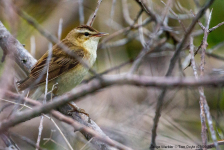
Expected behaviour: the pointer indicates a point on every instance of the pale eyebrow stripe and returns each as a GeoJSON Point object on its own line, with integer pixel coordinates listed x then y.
{"type": "Point", "coordinates": [83, 31]}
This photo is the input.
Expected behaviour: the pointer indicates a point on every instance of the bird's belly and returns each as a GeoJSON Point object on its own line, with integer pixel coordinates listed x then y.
{"type": "Point", "coordinates": [69, 80]}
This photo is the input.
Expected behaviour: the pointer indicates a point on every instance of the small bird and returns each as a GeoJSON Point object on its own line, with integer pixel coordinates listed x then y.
{"type": "Point", "coordinates": [64, 70]}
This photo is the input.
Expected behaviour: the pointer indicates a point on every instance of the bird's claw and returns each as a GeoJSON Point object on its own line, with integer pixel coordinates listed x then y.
{"type": "Point", "coordinates": [76, 109]}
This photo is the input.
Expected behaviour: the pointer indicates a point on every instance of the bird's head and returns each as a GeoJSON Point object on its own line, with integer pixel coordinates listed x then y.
{"type": "Point", "coordinates": [85, 35]}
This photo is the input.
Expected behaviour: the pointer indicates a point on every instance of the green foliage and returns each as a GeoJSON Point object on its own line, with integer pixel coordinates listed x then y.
{"type": "Point", "coordinates": [217, 17]}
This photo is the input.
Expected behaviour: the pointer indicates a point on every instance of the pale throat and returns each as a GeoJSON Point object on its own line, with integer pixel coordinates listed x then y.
{"type": "Point", "coordinates": [91, 46]}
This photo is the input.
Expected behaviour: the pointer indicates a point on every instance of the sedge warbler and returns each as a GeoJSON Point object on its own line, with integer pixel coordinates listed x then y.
{"type": "Point", "coordinates": [64, 70]}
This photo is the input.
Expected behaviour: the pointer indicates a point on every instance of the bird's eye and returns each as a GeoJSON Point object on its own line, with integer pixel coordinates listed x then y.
{"type": "Point", "coordinates": [86, 34]}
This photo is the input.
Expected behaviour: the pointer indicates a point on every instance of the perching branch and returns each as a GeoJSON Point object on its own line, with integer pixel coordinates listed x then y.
{"type": "Point", "coordinates": [96, 84]}
{"type": "Point", "coordinates": [83, 124]}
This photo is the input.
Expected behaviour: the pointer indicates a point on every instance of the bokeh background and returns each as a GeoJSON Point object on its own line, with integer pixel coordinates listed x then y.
{"type": "Point", "coordinates": [125, 113]}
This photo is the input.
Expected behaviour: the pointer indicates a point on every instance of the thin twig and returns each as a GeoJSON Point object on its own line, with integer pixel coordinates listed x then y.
{"type": "Point", "coordinates": [32, 46]}
{"type": "Point", "coordinates": [207, 53]}
{"type": "Point", "coordinates": [94, 15]}
{"type": "Point", "coordinates": [215, 27]}
{"type": "Point", "coordinates": [126, 14]}
{"type": "Point", "coordinates": [199, 22]}
{"type": "Point", "coordinates": [144, 52]}
{"type": "Point", "coordinates": [118, 43]}
{"type": "Point", "coordinates": [60, 28]}
{"type": "Point", "coordinates": [177, 16]}
{"type": "Point", "coordinates": [50, 139]}
{"type": "Point", "coordinates": [8, 141]}
{"type": "Point", "coordinates": [197, 3]}
{"type": "Point", "coordinates": [147, 10]}
{"type": "Point", "coordinates": [124, 30]}
{"type": "Point", "coordinates": [203, 100]}
{"type": "Point", "coordinates": [86, 144]}
{"type": "Point", "coordinates": [62, 134]}
{"type": "Point", "coordinates": [112, 10]}
{"type": "Point", "coordinates": [214, 56]}
{"type": "Point", "coordinates": [45, 96]}
{"type": "Point", "coordinates": [137, 17]}
{"type": "Point", "coordinates": [51, 119]}
{"type": "Point", "coordinates": [110, 70]}
{"type": "Point", "coordinates": [149, 46]}
{"type": "Point", "coordinates": [27, 140]}
{"type": "Point", "coordinates": [81, 12]}
{"type": "Point", "coordinates": [219, 45]}
{"type": "Point", "coordinates": [40, 129]}
{"type": "Point", "coordinates": [202, 97]}
{"type": "Point", "coordinates": [195, 53]}
{"type": "Point", "coordinates": [141, 34]}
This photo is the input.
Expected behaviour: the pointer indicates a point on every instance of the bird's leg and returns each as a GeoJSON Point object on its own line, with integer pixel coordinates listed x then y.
{"type": "Point", "coordinates": [75, 108]}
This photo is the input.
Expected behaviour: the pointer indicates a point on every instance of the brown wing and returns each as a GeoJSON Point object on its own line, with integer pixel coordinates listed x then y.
{"type": "Point", "coordinates": [60, 63]}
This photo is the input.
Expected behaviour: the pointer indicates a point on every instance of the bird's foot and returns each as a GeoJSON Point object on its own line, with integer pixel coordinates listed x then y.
{"type": "Point", "coordinates": [75, 108]}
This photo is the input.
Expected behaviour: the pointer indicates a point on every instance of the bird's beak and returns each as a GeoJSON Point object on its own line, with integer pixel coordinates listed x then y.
{"type": "Point", "coordinates": [100, 34]}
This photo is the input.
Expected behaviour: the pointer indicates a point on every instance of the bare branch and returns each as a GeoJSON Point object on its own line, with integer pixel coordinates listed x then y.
{"type": "Point", "coordinates": [178, 18]}
{"type": "Point", "coordinates": [45, 96]}
{"type": "Point", "coordinates": [124, 30]}
{"type": "Point", "coordinates": [144, 52]}
{"type": "Point", "coordinates": [27, 140]}
{"type": "Point", "coordinates": [126, 14]}
{"type": "Point", "coordinates": [147, 10]}
{"type": "Point", "coordinates": [203, 100]}
{"type": "Point", "coordinates": [81, 12]}
{"type": "Point", "coordinates": [96, 10]}
{"type": "Point", "coordinates": [215, 27]}
{"type": "Point", "coordinates": [60, 28]}
{"type": "Point", "coordinates": [10, 144]}
{"type": "Point", "coordinates": [96, 84]}
{"type": "Point", "coordinates": [202, 97]}
{"type": "Point", "coordinates": [88, 127]}
{"type": "Point", "coordinates": [170, 70]}
{"type": "Point", "coordinates": [12, 47]}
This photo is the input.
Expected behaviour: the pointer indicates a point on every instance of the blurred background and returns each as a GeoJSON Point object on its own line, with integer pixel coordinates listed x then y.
{"type": "Point", "coordinates": [125, 113]}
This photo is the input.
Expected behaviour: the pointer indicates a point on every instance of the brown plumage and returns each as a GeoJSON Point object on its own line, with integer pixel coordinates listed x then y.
{"type": "Point", "coordinates": [64, 70]}
{"type": "Point", "coordinates": [59, 64]}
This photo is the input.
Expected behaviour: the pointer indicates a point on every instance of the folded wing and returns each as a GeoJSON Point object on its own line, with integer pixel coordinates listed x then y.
{"type": "Point", "coordinates": [60, 63]}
